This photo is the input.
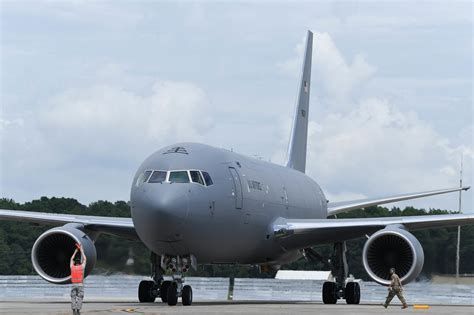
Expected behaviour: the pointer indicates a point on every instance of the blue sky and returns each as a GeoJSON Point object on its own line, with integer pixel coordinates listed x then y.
{"type": "Point", "coordinates": [90, 89]}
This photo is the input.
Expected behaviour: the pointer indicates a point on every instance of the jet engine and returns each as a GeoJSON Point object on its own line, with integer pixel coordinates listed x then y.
{"type": "Point", "coordinates": [393, 247]}
{"type": "Point", "coordinates": [52, 252]}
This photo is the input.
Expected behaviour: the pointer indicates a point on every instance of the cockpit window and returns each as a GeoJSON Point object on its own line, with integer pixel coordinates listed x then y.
{"type": "Point", "coordinates": [207, 178]}
{"type": "Point", "coordinates": [196, 177]}
{"type": "Point", "coordinates": [179, 177]}
{"type": "Point", "coordinates": [143, 178]}
{"type": "Point", "coordinates": [157, 177]}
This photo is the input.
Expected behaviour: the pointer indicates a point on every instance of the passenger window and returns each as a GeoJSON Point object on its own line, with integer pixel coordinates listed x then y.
{"type": "Point", "coordinates": [207, 178]}
{"type": "Point", "coordinates": [196, 177]}
{"type": "Point", "coordinates": [157, 177]}
{"type": "Point", "coordinates": [179, 177]}
{"type": "Point", "coordinates": [143, 178]}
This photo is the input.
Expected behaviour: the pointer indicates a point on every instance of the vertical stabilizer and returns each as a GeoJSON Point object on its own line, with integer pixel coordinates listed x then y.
{"type": "Point", "coordinates": [299, 131]}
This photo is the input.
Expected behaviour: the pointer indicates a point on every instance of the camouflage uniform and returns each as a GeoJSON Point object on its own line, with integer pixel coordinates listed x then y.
{"type": "Point", "coordinates": [77, 279]}
{"type": "Point", "coordinates": [77, 294]}
{"type": "Point", "coordinates": [395, 288]}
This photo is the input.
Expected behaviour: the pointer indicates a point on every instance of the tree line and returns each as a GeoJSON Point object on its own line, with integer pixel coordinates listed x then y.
{"type": "Point", "coordinates": [118, 255]}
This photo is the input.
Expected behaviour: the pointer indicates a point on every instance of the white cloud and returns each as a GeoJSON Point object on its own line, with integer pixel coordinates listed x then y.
{"type": "Point", "coordinates": [369, 147]}
{"type": "Point", "coordinates": [6, 123]}
{"type": "Point", "coordinates": [98, 134]}
{"type": "Point", "coordinates": [333, 76]}
{"type": "Point", "coordinates": [102, 119]}
{"type": "Point", "coordinates": [343, 196]}
{"type": "Point", "coordinates": [92, 14]}
{"type": "Point", "coordinates": [58, 56]}
{"type": "Point", "coordinates": [376, 143]}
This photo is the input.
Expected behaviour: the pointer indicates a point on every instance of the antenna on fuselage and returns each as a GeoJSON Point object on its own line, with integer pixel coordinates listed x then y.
{"type": "Point", "coordinates": [299, 131]}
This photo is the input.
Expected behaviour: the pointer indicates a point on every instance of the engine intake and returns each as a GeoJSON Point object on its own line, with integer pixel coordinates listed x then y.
{"type": "Point", "coordinates": [393, 247]}
{"type": "Point", "coordinates": [52, 252]}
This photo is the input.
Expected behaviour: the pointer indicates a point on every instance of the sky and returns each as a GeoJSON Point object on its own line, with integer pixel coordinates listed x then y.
{"type": "Point", "coordinates": [90, 89]}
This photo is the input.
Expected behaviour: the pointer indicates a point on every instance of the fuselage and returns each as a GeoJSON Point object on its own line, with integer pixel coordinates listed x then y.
{"type": "Point", "coordinates": [227, 219]}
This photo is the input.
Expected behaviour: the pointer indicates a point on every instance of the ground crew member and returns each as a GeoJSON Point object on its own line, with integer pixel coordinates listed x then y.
{"type": "Point", "coordinates": [78, 265]}
{"type": "Point", "coordinates": [395, 288]}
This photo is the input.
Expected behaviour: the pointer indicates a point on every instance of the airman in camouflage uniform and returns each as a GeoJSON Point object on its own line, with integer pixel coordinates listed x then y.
{"type": "Point", "coordinates": [395, 288]}
{"type": "Point", "coordinates": [77, 279]}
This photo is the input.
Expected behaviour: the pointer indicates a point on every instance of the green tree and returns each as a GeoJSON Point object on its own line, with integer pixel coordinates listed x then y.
{"type": "Point", "coordinates": [17, 239]}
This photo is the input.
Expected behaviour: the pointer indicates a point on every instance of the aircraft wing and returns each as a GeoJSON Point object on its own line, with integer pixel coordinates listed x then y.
{"type": "Point", "coordinates": [110, 225]}
{"type": "Point", "coordinates": [345, 206]}
{"type": "Point", "coordinates": [302, 233]}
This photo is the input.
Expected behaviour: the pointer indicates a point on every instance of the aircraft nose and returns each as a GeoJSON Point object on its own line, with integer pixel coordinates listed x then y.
{"type": "Point", "coordinates": [159, 211]}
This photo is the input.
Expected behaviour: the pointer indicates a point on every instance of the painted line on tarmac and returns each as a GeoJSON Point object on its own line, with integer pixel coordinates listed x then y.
{"type": "Point", "coordinates": [421, 307]}
{"type": "Point", "coordinates": [126, 310]}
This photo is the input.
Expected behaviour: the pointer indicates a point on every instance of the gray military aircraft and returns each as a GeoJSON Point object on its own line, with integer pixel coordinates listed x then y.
{"type": "Point", "coordinates": [196, 204]}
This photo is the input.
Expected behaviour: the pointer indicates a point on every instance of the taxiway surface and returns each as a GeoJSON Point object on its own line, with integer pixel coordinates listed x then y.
{"type": "Point", "coordinates": [241, 307]}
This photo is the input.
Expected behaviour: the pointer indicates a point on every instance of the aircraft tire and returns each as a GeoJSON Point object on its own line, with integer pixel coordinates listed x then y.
{"type": "Point", "coordinates": [187, 295]}
{"type": "Point", "coordinates": [352, 293]}
{"type": "Point", "coordinates": [329, 293]}
{"type": "Point", "coordinates": [145, 291]}
{"type": "Point", "coordinates": [164, 291]}
{"type": "Point", "coordinates": [172, 294]}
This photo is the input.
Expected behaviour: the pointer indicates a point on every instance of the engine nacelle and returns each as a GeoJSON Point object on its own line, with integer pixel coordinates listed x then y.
{"type": "Point", "coordinates": [393, 247]}
{"type": "Point", "coordinates": [52, 252]}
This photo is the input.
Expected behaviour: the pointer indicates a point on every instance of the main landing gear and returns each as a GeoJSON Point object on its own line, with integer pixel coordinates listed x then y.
{"type": "Point", "coordinates": [341, 287]}
{"type": "Point", "coordinates": [168, 290]}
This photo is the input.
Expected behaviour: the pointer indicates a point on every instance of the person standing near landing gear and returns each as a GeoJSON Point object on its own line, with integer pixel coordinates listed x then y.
{"type": "Point", "coordinates": [78, 265]}
{"type": "Point", "coordinates": [395, 288]}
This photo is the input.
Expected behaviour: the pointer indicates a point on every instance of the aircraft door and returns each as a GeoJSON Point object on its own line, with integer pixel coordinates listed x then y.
{"type": "Point", "coordinates": [237, 191]}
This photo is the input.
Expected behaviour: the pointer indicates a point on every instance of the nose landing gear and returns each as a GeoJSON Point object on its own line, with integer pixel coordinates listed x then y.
{"type": "Point", "coordinates": [176, 288]}
{"type": "Point", "coordinates": [168, 290]}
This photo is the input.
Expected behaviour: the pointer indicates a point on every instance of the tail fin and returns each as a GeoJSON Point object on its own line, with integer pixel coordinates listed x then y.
{"type": "Point", "coordinates": [299, 131]}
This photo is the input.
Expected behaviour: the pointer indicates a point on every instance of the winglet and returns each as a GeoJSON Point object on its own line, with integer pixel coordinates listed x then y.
{"type": "Point", "coordinates": [299, 131]}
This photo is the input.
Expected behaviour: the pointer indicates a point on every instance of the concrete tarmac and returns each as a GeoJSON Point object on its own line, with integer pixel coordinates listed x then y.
{"type": "Point", "coordinates": [231, 307]}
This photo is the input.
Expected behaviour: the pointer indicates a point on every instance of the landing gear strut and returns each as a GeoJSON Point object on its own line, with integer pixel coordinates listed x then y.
{"type": "Point", "coordinates": [176, 288]}
{"type": "Point", "coordinates": [149, 290]}
{"type": "Point", "coordinates": [340, 288]}
{"type": "Point", "coordinates": [168, 290]}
